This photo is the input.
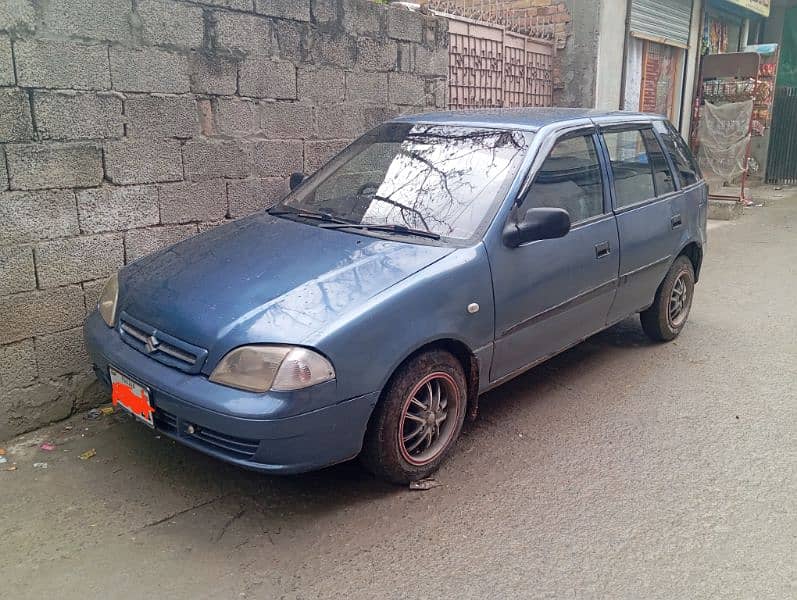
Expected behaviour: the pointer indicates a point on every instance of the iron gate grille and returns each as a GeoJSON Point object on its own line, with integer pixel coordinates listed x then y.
{"type": "Point", "coordinates": [782, 157]}
{"type": "Point", "coordinates": [491, 67]}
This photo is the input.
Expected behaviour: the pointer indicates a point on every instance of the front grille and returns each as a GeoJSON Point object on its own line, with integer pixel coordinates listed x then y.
{"type": "Point", "coordinates": [161, 346]}
{"type": "Point", "coordinates": [229, 445]}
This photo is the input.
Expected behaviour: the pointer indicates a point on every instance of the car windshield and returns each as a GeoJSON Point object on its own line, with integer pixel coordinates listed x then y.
{"type": "Point", "coordinates": [434, 179]}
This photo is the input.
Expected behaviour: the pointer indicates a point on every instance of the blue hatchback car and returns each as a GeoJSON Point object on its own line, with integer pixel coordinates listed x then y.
{"type": "Point", "coordinates": [436, 257]}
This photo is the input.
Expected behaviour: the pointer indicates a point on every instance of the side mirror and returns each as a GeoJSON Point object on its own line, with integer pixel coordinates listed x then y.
{"type": "Point", "coordinates": [537, 224]}
{"type": "Point", "coordinates": [296, 180]}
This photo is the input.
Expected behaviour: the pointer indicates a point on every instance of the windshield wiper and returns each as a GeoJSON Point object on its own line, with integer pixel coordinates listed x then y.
{"type": "Point", "coordinates": [308, 214]}
{"type": "Point", "coordinates": [390, 228]}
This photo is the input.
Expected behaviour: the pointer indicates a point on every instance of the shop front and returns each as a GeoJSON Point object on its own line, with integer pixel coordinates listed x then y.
{"type": "Point", "coordinates": [657, 50]}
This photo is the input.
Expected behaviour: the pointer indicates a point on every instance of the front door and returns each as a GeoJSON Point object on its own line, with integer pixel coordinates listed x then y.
{"type": "Point", "coordinates": [550, 294]}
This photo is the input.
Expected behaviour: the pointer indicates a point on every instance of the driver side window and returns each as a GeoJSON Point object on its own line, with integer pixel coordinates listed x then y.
{"type": "Point", "coordinates": [570, 178]}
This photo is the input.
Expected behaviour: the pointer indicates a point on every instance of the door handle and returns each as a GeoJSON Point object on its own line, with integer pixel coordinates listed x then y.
{"type": "Point", "coordinates": [602, 249]}
{"type": "Point", "coordinates": [676, 221]}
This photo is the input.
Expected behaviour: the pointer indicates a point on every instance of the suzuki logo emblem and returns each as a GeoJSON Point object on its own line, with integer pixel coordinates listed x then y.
{"type": "Point", "coordinates": [152, 344]}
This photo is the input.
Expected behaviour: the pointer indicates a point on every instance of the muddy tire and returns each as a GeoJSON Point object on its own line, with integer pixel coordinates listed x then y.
{"type": "Point", "coordinates": [418, 419]}
{"type": "Point", "coordinates": [666, 317]}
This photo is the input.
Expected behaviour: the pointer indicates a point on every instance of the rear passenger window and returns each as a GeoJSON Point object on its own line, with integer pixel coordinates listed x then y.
{"type": "Point", "coordinates": [680, 155]}
{"type": "Point", "coordinates": [662, 177]}
{"type": "Point", "coordinates": [633, 175]}
{"type": "Point", "coordinates": [570, 178]}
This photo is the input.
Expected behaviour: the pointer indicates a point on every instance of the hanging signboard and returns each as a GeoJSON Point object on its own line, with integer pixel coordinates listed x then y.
{"type": "Point", "coordinates": [760, 7]}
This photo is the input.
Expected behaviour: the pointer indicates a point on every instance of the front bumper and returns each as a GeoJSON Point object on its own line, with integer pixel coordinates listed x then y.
{"type": "Point", "coordinates": [224, 421]}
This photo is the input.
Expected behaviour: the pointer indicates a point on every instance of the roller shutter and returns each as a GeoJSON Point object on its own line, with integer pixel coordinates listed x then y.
{"type": "Point", "coordinates": [664, 21]}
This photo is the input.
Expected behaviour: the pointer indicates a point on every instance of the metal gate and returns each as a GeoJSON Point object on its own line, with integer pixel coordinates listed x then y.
{"type": "Point", "coordinates": [491, 67]}
{"type": "Point", "coordinates": [782, 156]}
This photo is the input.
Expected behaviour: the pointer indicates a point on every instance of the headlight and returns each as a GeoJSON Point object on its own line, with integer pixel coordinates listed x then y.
{"type": "Point", "coordinates": [278, 368]}
{"type": "Point", "coordinates": [107, 302]}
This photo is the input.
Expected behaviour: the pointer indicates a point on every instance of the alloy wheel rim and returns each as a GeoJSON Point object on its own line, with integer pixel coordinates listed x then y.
{"type": "Point", "coordinates": [429, 418]}
{"type": "Point", "coordinates": [678, 306]}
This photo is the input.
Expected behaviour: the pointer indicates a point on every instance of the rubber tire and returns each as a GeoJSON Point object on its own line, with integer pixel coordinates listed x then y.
{"type": "Point", "coordinates": [655, 320]}
{"type": "Point", "coordinates": [381, 454]}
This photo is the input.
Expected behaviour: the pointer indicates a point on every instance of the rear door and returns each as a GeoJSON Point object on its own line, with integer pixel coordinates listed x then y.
{"type": "Point", "coordinates": [644, 198]}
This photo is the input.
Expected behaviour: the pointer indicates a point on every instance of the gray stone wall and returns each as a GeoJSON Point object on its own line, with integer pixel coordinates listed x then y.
{"type": "Point", "coordinates": [127, 125]}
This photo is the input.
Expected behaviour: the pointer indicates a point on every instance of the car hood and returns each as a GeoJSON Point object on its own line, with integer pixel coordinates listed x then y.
{"type": "Point", "coordinates": [263, 279]}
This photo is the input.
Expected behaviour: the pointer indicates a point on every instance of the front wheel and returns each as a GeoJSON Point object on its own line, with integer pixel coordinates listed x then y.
{"type": "Point", "coordinates": [418, 418]}
{"type": "Point", "coordinates": [666, 317]}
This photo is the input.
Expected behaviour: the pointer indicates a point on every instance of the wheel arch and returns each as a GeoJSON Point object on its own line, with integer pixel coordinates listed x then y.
{"type": "Point", "coordinates": [694, 252]}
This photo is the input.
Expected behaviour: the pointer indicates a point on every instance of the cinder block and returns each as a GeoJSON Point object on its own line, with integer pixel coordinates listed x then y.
{"type": "Point", "coordinates": [235, 4]}
{"type": "Point", "coordinates": [169, 23]}
{"type": "Point", "coordinates": [15, 120]}
{"type": "Point", "coordinates": [404, 24]}
{"type": "Point", "coordinates": [377, 55]}
{"type": "Point", "coordinates": [276, 158]}
{"type": "Point", "coordinates": [364, 18]}
{"type": "Point", "coordinates": [290, 40]}
{"type": "Point", "coordinates": [149, 70]}
{"type": "Point", "coordinates": [78, 115]}
{"type": "Point", "coordinates": [143, 161]}
{"type": "Point", "coordinates": [366, 87]}
{"type": "Point", "coordinates": [336, 49]}
{"type": "Point", "coordinates": [203, 227]}
{"type": "Point", "coordinates": [49, 64]}
{"type": "Point", "coordinates": [406, 89]}
{"type": "Point", "coordinates": [16, 270]}
{"type": "Point", "coordinates": [39, 313]}
{"type": "Point", "coordinates": [193, 201]}
{"type": "Point", "coordinates": [430, 62]}
{"type": "Point", "coordinates": [110, 208]}
{"type": "Point", "coordinates": [32, 216]}
{"type": "Point", "coordinates": [77, 259]}
{"type": "Point", "coordinates": [245, 35]}
{"type": "Point", "coordinates": [18, 15]}
{"type": "Point", "coordinates": [339, 121]}
{"type": "Point", "coordinates": [251, 195]}
{"type": "Point", "coordinates": [324, 12]}
{"type": "Point", "coordinates": [324, 84]}
{"type": "Point", "coordinates": [25, 409]}
{"type": "Point", "coordinates": [160, 116]}
{"type": "Point", "coordinates": [206, 159]}
{"type": "Point", "coordinates": [6, 62]}
{"type": "Point", "coordinates": [17, 364]}
{"type": "Point", "coordinates": [212, 74]}
{"type": "Point", "coordinates": [316, 154]}
{"type": "Point", "coordinates": [263, 78]}
{"type": "Point", "coordinates": [99, 19]}
{"type": "Point", "coordinates": [42, 166]}
{"type": "Point", "coordinates": [92, 291]}
{"type": "Point", "coordinates": [291, 120]}
{"type": "Point", "coordinates": [140, 242]}
{"type": "Point", "coordinates": [298, 10]}
{"type": "Point", "coordinates": [236, 117]}
{"type": "Point", "coordinates": [61, 353]}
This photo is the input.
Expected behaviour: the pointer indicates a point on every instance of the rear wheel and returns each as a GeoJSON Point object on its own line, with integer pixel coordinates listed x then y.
{"type": "Point", "coordinates": [418, 418]}
{"type": "Point", "coordinates": [666, 317]}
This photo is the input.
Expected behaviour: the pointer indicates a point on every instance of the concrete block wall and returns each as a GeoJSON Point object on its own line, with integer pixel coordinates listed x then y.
{"type": "Point", "coordinates": [128, 125]}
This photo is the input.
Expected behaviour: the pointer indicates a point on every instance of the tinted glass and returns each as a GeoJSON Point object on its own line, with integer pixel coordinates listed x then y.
{"type": "Point", "coordinates": [662, 177]}
{"type": "Point", "coordinates": [570, 178]}
{"type": "Point", "coordinates": [680, 154]}
{"type": "Point", "coordinates": [437, 178]}
{"type": "Point", "coordinates": [633, 176]}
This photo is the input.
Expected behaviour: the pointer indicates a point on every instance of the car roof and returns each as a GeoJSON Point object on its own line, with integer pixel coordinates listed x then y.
{"type": "Point", "coordinates": [522, 118]}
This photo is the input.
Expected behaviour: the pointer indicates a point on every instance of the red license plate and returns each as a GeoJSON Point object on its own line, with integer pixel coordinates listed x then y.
{"type": "Point", "coordinates": [131, 396]}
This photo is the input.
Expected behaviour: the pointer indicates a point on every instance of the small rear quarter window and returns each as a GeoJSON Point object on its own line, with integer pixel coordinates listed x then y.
{"type": "Point", "coordinates": [674, 145]}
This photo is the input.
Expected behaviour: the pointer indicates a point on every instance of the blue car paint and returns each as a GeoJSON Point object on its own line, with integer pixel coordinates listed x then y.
{"type": "Point", "coordinates": [365, 302]}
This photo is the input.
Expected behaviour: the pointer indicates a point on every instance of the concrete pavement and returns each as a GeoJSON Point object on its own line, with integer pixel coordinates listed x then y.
{"type": "Point", "coordinates": [621, 469]}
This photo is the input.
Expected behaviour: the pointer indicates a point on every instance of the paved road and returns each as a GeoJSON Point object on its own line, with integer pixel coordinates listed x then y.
{"type": "Point", "coordinates": [620, 469]}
